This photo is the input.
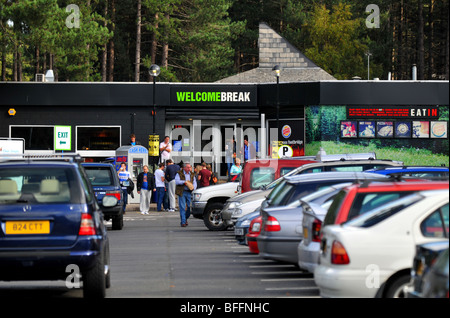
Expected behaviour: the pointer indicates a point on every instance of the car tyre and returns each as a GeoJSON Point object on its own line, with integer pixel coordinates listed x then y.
{"type": "Point", "coordinates": [213, 217]}
{"type": "Point", "coordinates": [94, 280]}
{"type": "Point", "coordinates": [117, 222]}
{"type": "Point", "coordinates": [395, 288]}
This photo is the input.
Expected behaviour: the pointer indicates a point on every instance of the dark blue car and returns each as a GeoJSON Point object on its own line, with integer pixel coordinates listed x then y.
{"type": "Point", "coordinates": [105, 182]}
{"type": "Point", "coordinates": [425, 172]}
{"type": "Point", "coordinates": [51, 226]}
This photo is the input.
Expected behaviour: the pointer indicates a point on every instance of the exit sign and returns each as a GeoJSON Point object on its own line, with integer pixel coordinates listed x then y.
{"type": "Point", "coordinates": [63, 138]}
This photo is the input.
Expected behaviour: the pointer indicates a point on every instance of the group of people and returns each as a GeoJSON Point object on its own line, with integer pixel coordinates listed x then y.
{"type": "Point", "coordinates": [171, 180]}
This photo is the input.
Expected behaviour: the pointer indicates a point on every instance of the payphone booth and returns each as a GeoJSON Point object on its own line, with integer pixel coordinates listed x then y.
{"type": "Point", "coordinates": [136, 157]}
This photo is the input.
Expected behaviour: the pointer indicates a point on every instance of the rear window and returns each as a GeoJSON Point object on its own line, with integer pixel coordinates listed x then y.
{"type": "Point", "coordinates": [293, 192]}
{"type": "Point", "coordinates": [385, 211]}
{"type": "Point", "coordinates": [100, 176]}
{"type": "Point", "coordinates": [365, 202]}
{"type": "Point", "coordinates": [261, 176]}
{"type": "Point", "coordinates": [334, 208]}
{"type": "Point", "coordinates": [37, 185]}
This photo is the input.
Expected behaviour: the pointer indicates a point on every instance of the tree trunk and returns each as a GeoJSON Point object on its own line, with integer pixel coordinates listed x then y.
{"type": "Point", "coordinates": [137, 62]}
{"type": "Point", "coordinates": [154, 42]}
{"type": "Point", "coordinates": [111, 43]}
{"type": "Point", "coordinates": [105, 47]}
{"type": "Point", "coordinates": [165, 47]}
{"type": "Point", "coordinates": [420, 45]}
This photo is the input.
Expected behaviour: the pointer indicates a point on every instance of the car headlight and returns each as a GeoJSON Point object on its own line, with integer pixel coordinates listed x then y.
{"type": "Point", "coordinates": [237, 212]}
{"type": "Point", "coordinates": [197, 196]}
{"type": "Point", "coordinates": [246, 223]}
{"type": "Point", "coordinates": [233, 205]}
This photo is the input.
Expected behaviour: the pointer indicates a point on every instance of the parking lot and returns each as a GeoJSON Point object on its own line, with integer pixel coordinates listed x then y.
{"type": "Point", "coordinates": [154, 257]}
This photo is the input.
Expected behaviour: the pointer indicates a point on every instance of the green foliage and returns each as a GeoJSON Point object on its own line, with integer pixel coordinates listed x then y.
{"type": "Point", "coordinates": [408, 155]}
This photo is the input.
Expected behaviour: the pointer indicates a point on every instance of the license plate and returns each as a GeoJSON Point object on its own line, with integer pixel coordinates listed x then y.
{"type": "Point", "coordinates": [239, 232]}
{"type": "Point", "coordinates": [27, 227]}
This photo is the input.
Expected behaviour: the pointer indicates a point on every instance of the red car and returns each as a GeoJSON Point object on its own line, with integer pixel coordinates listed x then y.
{"type": "Point", "coordinates": [358, 199]}
{"type": "Point", "coordinates": [253, 232]}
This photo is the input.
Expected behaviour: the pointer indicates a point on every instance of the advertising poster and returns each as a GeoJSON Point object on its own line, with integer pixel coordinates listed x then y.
{"type": "Point", "coordinates": [291, 138]}
{"type": "Point", "coordinates": [439, 129]}
{"type": "Point", "coordinates": [421, 129]}
{"type": "Point", "coordinates": [348, 129]}
{"type": "Point", "coordinates": [366, 129]}
{"type": "Point", "coordinates": [403, 129]}
{"type": "Point", "coordinates": [385, 129]}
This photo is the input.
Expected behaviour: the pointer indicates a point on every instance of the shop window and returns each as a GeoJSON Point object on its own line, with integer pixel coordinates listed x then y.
{"type": "Point", "coordinates": [36, 137]}
{"type": "Point", "coordinates": [98, 138]}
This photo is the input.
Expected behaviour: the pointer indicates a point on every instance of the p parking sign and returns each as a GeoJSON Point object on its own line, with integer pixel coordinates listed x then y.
{"type": "Point", "coordinates": [63, 138]}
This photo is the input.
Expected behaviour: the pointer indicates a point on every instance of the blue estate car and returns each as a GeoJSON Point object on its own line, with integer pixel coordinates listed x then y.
{"type": "Point", "coordinates": [413, 171]}
{"type": "Point", "coordinates": [50, 222]}
{"type": "Point", "coordinates": [105, 182]}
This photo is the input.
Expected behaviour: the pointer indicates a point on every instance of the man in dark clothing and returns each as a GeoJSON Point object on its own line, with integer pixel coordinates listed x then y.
{"type": "Point", "coordinates": [171, 171]}
{"type": "Point", "coordinates": [145, 187]}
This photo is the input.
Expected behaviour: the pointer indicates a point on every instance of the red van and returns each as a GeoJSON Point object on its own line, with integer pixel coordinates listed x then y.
{"type": "Point", "coordinates": [259, 172]}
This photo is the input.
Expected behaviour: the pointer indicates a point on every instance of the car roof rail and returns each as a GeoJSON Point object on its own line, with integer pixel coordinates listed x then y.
{"type": "Point", "coordinates": [29, 157]}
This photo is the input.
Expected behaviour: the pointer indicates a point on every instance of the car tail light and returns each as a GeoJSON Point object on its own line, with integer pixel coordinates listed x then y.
{"type": "Point", "coordinates": [117, 194]}
{"type": "Point", "coordinates": [316, 226]}
{"type": "Point", "coordinates": [255, 225]}
{"type": "Point", "coordinates": [272, 225]}
{"type": "Point", "coordinates": [339, 255]}
{"type": "Point", "coordinates": [87, 226]}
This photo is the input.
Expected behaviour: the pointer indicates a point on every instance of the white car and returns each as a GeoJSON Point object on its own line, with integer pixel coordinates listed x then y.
{"type": "Point", "coordinates": [372, 255]}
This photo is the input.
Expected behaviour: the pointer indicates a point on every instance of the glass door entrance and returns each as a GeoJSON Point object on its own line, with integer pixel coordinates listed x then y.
{"type": "Point", "coordinates": [198, 141]}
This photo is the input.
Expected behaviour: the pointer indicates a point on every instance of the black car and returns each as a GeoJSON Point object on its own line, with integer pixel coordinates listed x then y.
{"type": "Point", "coordinates": [426, 255]}
{"type": "Point", "coordinates": [105, 182]}
{"type": "Point", "coordinates": [51, 224]}
{"type": "Point", "coordinates": [435, 281]}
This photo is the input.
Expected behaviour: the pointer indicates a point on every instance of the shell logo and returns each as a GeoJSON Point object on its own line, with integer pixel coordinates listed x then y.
{"type": "Point", "coordinates": [286, 131]}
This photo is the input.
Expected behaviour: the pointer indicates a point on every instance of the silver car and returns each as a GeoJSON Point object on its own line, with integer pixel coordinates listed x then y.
{"type": "Point", "coordinates": [282, 224]}
{"type": "Point", "coordinates": [308, 250]}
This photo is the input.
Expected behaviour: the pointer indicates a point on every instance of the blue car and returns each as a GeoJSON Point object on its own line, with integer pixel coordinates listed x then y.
{"type": "Point", "coordinates": [413, 171]}
{"type": "Point", "coordinates": [105, 182]}
{"type": "Point", "coordinates": [51, 226]}
{"type": "Point", "coordinates": [242, 225]}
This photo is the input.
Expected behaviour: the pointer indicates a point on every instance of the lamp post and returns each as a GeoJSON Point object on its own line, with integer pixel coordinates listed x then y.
{"type": "Point", "coordinates": [368, 54]}
{"type": "Point", "coordinates": [154, 72]}
{"type": "Point", "coordinates": [277, 71]}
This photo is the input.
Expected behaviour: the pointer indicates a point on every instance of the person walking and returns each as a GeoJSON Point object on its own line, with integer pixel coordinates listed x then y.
{"type": "Point", "coordinates": [124, 177]}
{"type": "Point", "coordinates": [145, 187]}
{"type": "Point", "coordinates": [186, 183]}
{"type": "Point", "coordinates": [160, 187]}
{"type": "Point", "coordinates": [171, 171]}
{"type": "Point", "coordinates": [204, 176]}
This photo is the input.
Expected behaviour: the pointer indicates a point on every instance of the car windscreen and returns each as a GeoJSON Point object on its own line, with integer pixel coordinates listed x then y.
{"type": "Point", "coordinates": [100, 176]}
{"type": "Point", "coordinates": [385, 211]}
{"type": "Point", "coordinates": [36, 185]}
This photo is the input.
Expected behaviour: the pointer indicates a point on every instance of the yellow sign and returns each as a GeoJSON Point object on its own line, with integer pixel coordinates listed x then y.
{"type": "Point", "coordinates": [153, 145]}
